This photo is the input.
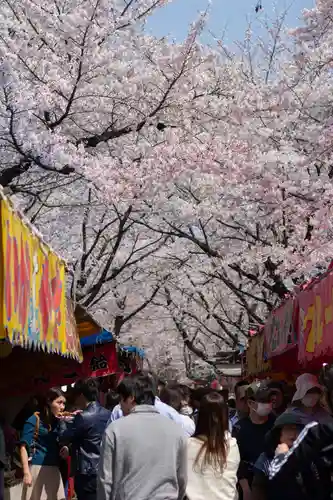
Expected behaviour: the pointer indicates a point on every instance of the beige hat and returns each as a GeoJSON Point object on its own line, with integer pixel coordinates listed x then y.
{"type": "Point", "coordinates": [304, 383]}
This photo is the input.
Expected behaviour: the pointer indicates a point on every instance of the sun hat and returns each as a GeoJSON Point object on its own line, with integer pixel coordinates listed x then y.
{"type": "Point", "coordinates": [304, 383]}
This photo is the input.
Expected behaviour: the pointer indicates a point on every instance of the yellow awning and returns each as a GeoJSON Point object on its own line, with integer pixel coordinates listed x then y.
{"type": "Point", "coordinates": [33, 310]}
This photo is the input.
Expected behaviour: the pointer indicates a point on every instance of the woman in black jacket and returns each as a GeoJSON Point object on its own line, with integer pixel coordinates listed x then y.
{"type": "Point", "coordinates": [311, 455]}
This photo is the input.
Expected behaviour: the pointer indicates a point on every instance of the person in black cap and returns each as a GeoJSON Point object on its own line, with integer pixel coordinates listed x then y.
{"type": "Point", "coordinates": [286, 429]}
{"type": "Point", "coordinates": [250, 433]}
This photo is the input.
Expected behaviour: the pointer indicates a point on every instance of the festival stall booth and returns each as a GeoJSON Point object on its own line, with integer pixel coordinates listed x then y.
{"type": "Point", "coordinates": [103, 357]}
{"type": "Point", "coordinates": [273, 350]}
{"type": "Point", "coordinates": [37, 329]}
{"type": "Point", "coordinates": [298, 336]}
{"type": "Point", "coordinates": [102, 349]}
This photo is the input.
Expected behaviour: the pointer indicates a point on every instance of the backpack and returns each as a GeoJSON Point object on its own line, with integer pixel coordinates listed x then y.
{"type": "Point", "coordinates": [13, 473]}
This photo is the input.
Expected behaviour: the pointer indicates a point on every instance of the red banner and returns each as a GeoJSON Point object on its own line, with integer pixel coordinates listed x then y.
{"type": "Point", "coordinates": [100, 361]}
{"type": "Point", "coordinates": [280, 331]}
{"type": "Point", "coordinates": [316, 321]}
{"type": "Point", "coordinates": [35, 372]}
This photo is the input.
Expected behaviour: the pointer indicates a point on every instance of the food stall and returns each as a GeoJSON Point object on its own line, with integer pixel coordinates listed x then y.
{"type": "Point", "coordinates": [297, 336]}
{"type": "Point", "coordinates": [37, 329]}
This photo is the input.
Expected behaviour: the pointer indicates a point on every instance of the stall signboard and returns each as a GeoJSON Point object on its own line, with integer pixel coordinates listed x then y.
{"type": "Point", "coordinates": [32, 289]}
{"type": "Point", "coordinates": [255, 361]}
{"type": "Point", "coordinates": [100, 361]}
{"type": "Point", "coordinates": [316, 320]}
{"type": "Point", "coordinates": [280, 331]}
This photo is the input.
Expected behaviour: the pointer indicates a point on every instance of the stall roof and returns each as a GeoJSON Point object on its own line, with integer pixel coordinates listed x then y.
{"type": "Point", "coordinates": [85, 323]}
{"type": "Point", "coordinates": [92, 333]}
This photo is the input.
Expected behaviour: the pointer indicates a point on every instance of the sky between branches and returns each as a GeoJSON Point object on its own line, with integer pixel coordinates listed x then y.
{"type": "Point", "coordinates": [226, 16]}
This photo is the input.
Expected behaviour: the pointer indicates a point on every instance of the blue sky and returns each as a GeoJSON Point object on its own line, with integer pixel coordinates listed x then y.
{"type": "Point", "coordinates": [226, 16]}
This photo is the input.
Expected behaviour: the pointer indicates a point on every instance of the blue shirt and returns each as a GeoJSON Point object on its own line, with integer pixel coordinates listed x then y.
{"type": "Point", "coordinates": [162, 408]}
{"type": "Point", "coordinates": [45, 451]}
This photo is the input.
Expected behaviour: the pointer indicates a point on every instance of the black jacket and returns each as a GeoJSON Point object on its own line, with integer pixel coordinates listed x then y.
{"type": "Point", "coordinates": [311, 459]}
{"type": "Point", "coordinates": [85, 435]}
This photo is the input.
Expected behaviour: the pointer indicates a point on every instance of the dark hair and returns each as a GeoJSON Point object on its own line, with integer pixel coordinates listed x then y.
{"type": "Point", "coordinates": [45, 402]}
{"type": "Point", "coordinates": [212, 427]}
{"type": "Point", "coordinates": [154, 380]}
{"type": "Point", "coordinates": [200, 393]}
{"type": "Point", "coordinates": [225, 394]}
{"type": "Point", "coordinates": [88, 388]}
{"type": "Point", "coordinates": [186, 391]}
{"type": "Point", "coordinates": [183, 389]}
{"type": "Point", "coordinates": [239, 384]}
{"type": "Point", "coordinates": [111, 400]}
{"type": "Point", "coordinates": [140, 387]}
{"type": "Point", "coordinates": [172, 397]}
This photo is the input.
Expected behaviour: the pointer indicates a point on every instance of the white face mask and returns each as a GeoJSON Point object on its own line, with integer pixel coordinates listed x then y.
{"type": "Point", "coordinates": [310, 400]}
{"type": "Point", "coordinates": [264, 409]}
{"type": "Point", "coordinates": [186, 410]}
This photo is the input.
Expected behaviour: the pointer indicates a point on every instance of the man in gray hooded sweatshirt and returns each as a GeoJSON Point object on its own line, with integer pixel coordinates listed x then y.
{"type": "Point", "coordinates": [143, 455]}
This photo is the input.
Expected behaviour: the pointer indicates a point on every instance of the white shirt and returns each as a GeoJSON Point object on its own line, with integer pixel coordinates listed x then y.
{"type": "Point", "coordinates": [188, 425]}
{"type": "Point", "coordinates": [210, 484]}
{"type": "Point", "coordinates": [162, 408]}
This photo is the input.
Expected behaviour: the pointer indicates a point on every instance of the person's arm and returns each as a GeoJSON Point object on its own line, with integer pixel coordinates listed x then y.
{"type": "Point", "coordinates": [70, 432]}
{"type": "Point", "coordinates": [26, 441]}
{"type": "Point", "coordinates": [309, 445]}
{"type": "Point", "coordinates": [27, 478]}
{"type": "Point", "coordinates": [182, 469]}
{"type": "Point", "coordinates": [243, 469]}
{"type": "Point", "coordinates": [104, 476]}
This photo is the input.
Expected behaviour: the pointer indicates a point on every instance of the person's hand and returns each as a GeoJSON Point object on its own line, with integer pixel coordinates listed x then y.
{"type": "Point", "coordinates": [64, 452]}
{"type": "Point", "coordinates": [281, 449]}
{"type": "Point", "coordinates": [27, 479]}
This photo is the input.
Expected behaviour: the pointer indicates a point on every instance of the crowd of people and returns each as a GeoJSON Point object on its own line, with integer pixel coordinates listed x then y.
{"type": "Point", "coordinates": [158, 441]}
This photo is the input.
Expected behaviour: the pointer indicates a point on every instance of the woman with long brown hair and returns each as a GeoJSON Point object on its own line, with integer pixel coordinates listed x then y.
{"type": "Point", "coordinates": [213, 455]}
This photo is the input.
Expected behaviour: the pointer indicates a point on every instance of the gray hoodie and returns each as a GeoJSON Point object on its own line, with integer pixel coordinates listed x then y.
{"type": "Point", "coordinates": [143, 457]}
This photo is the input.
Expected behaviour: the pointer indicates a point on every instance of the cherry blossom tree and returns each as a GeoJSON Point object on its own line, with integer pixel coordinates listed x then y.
{"type": "Point", "coordinates": [85, 91]}
{"type": "Point", "coordinates": [258, 220]}
{"type": "Point", "coordinates": [213, 170]}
